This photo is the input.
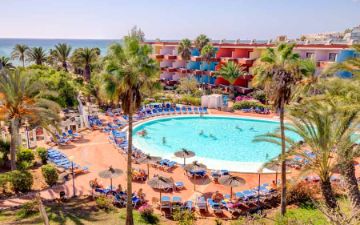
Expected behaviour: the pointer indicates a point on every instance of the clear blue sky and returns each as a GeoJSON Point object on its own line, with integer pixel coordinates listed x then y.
{"type": "Point", "coordinates": [174, 19]}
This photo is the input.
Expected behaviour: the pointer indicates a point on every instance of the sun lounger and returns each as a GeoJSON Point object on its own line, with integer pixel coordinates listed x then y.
{"type": "Point", "coordinates": [188, 205]}
{"type": "Point", "coordinates": [196, 110]}
{"type": "Point", "coordinates": [214, 206]}
{"type": "Point", "coordinates": [165, 202]}
{"type": "Point", "coordinates": [183, 110]}
{"type": "Point", "coordinates": [172, 110]}
{"type": "Point", "coordinates": [179, 185]}
{"type": "Point", "coordinates": [178, 111]}
{"type": "Point", "coordinates": [189, 110]}
{"type": "Point", "coordinates": [201, 203]}
{"type": "Point", "coordinates": [205, 110]}
{"type": "Point", "coordinates": [74, 134]}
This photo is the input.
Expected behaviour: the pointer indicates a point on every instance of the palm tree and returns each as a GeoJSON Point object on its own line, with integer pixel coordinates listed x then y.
{"type": "Point", "coordinates": [201, 41]}
{"type": "Point", "coordinates": [344, 96]}
{"type": "Point", "coordinates": [23, 100]}
{"type": "Point", "coordinates": [207, 53]}
{"type": "Point", "coordinates": [85, 57]}
{"type": "Point", "coordinates": [230, 72]}
{"type": "Point", "coordinates": [19, 52]}
{"type": "Point", "coordinates": [184, 49]}
{"type": "Point", "coordinates": [129, 73]}
{"type": "Point", "coordinates": [5, 63]}
{"type": "Point", "coordinates": [37, 55]}
{"type": "Point", "coordinates": [278, 72]}
{"type": "Point", "coordinates": [62, 53]}
{"type": "Point", "coordinates": [318, 127]}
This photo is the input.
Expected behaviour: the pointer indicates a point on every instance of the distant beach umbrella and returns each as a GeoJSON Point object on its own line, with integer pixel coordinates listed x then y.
{"type": "Point", "coordinates": [195, 167]}
{"type": "Point", "coordinates": [184, 153]}
{"type": "Point", "coordinates": [147, 159]}
{"type": "Point", "coordinates": [161, 183]}
{"type": "Point", "coordinates": [110, 174]}
{"type": "Point", "coordinates": [232, 181]}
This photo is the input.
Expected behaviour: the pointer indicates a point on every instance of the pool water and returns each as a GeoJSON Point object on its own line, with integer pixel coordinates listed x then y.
{"type": "Point", "coordinates": [211, 137]}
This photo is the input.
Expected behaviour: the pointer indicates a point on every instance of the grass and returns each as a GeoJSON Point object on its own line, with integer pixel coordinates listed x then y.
{"type": "Point", "coordinates": [76, 212]}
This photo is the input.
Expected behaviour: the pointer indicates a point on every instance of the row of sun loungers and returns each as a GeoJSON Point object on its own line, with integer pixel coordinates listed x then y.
{"type": "Point", "coordinates": [66, 138]}
{"type": "Point", "coordinates": [168, 111]}
{"type": "Point", "coordinates": [61, 160]}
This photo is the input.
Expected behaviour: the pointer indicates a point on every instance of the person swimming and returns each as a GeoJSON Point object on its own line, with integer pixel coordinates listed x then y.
{"type": "Point", "coordinates": [212, 136]}
{"type": "Point", "coordinates": [164, 140]}
{"type": "Point", "coordinates": [201, 133]}
{"type": "Point", "coordinates": [239, 128]}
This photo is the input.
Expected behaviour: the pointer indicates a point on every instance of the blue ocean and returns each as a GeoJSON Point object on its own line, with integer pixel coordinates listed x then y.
{"type": "Point", "coordinates": [7, 44]}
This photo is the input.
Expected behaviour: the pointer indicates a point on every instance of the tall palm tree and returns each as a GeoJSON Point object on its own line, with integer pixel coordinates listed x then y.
{"type": "Point", "coordinates": [319, 127]}
{"type": "Point", "coordinates": [230, 72]}
{"type": "Point", "coordinates": [37, 55]}
{"type": "Point", "coordinates": [184, 49]}
{"type": "Point", "coordinates": [85, 57]}
{"type": "Point", "coordinates": [62, 53]}
{"type": "Point", "coordinates": [207, 52]}
{"type": "Point", "coordinates": [278, 72]}
{"type": "Point", "coordinates": [22, 99]}
{"type": "Point", "coordinates": [201, 41]}
{"type": "Point", "coordinates": [344, 96]}
{"type": "Point", "coordinates": [19, 52]}
{"type": "Point", "coordinates": [130, 72]}
{"type": "Point", "coordinates": [5, 63]}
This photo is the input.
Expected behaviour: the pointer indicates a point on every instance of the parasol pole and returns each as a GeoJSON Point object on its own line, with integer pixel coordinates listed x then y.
{"type": "Point", "coordinates": [231, 192]}
{"type": "Point", "coordinates": [148, 167]}
{"type": "Point", "coordinates": [111, 184]}
{"type": "Point", "coordinates": [184, 161]}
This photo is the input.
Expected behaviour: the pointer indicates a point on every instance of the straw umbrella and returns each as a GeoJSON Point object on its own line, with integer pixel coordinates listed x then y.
{"type": "Point", "coordinates": [148, 159]}
{"type": "Point", "coordinates": [232, 181]}
{"type": "Point", "coordinates": [184, 153]}
{"type": "Point", "coordinates": [110, 174]}
{"type": "Point", "coordinates": [194, 167]}
{"type": "Point", "coordinates": [161, 183]}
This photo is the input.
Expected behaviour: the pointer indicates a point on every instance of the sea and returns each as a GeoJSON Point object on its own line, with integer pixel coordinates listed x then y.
{"type": "Point", "coordinates": [7, 44]}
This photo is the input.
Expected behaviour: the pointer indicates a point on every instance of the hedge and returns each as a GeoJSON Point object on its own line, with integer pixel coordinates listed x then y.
{"type": "Point", "coordinates": [248, 105]}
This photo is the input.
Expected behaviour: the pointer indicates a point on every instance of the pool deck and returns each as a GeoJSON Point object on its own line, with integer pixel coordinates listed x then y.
{"type": "Point", "coordinates": [95, 152]}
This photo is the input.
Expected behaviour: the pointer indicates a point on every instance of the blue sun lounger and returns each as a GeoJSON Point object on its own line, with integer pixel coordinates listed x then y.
{"type": "Point", "coordinates": [189, 110]}
{"type": "Point", "coordinates": [178, 111]}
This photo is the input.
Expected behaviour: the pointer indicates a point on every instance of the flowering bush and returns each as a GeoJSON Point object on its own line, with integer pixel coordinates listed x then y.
{"type": "Point", "coordinates": [146, 212]}
{"type": "Point", "coordinates": [243, 98]}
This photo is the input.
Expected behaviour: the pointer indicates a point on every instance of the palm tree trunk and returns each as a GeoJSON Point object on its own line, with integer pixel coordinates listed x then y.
{"type": "Point", "coordinates": [14, 142]}
{"type": "Point", "coordinates": [129, 214]}
{"type": "Point", "coordinates": [87, 72]}
{"type": "Point", "coordinates": [283, 162]}
{"type": "Point", "coordinates": [64, 64]}
{"type": "Point", "coordinates": [351, 184]}
{"type": "Point", "coordinates": [328, 194]}
{"type": "Point", "coordinates": [23, 61]}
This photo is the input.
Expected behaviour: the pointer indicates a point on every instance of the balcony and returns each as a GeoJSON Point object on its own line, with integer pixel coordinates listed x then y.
{"type": "Point", "coordinates": [159, 56]}
{"type": "Point", "coordinates": [170, 57]}
{"type": "Point", "coordinates": [324, 64]}
{"type": "Point", "coordinates": [245, 61]}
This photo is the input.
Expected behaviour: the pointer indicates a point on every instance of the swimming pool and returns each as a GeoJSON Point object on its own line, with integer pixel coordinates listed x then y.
{"type": "Point", "coordinates": [220, 142]}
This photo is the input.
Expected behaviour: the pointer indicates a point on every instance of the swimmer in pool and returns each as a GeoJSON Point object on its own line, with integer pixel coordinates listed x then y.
{"type": "Point", "coordinates": [201, 133]}
{"type": "Point", "coordinates": [164, 140]}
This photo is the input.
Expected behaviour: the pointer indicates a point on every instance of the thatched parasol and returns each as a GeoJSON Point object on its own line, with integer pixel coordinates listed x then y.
{"type": "Point", "coordinates": [148, 159]}
{"type": "Point", "coordinates": [195, 166]}
{"type": "Point", "coordinates": [161, 183]}
{"type": "Point", "coordinates": [184, 153]}
{"type": "Point", "coordinates": [110, 174]}
{"type": "Point", "coordinates": [232, 181]}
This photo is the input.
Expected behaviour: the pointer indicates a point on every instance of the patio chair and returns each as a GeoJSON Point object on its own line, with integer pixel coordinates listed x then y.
{"type": "Point", "coordinates": [214, 206]}
{"type": "Point", "coordinates": [201, 204]}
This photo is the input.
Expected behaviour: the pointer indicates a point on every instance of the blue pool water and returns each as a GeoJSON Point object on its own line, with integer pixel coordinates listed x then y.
{"type": "Point", "coordinates": [221, 139]}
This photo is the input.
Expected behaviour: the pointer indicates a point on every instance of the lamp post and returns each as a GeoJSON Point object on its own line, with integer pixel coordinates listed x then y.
{"type": "Point", "coordinates": [27, 134]}
{"type": "Point", "coordinates": [71, 158]}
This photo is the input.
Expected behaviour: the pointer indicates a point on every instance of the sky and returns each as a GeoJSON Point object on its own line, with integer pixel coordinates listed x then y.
{"type": "Point", "coordinates": [175, 19]}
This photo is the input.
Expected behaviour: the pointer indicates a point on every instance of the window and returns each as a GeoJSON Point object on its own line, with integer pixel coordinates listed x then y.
{"type": "Point", "coordinates": [310, 55]}
{"type": "Point", "coordinates": [332, 57]}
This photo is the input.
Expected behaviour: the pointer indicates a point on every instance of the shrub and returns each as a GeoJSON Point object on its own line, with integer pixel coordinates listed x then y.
{"type": "Point", "coordinates": [259, 95]}
{"type": "Point", "coordinates": [21, 181]}
{"type": "Point", "coordinates": [5, 150]}
{"type": "Point", "coordinates": [42, 153]}
{"type": "Point", "coordinates": [188, 99]}
{"type": "Point", "coordinates": [301, 194]}
{"type": "Point", "coordinates": [147, 214]}
{"type": "Point", "coordinates": [50, 174]}
{"type": "Point", "coordinates": [28, 209]}
{"type": "Point", "coordinates": [4, 180]}
{"type": "Point", "coordinates": [104, 203]}
{"type": "Point", "coordinates": [24, 158]}
{"type": "Point", "coordinates": [248, 105]}
{"type": "Point", "coordinates": [184, 217]}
